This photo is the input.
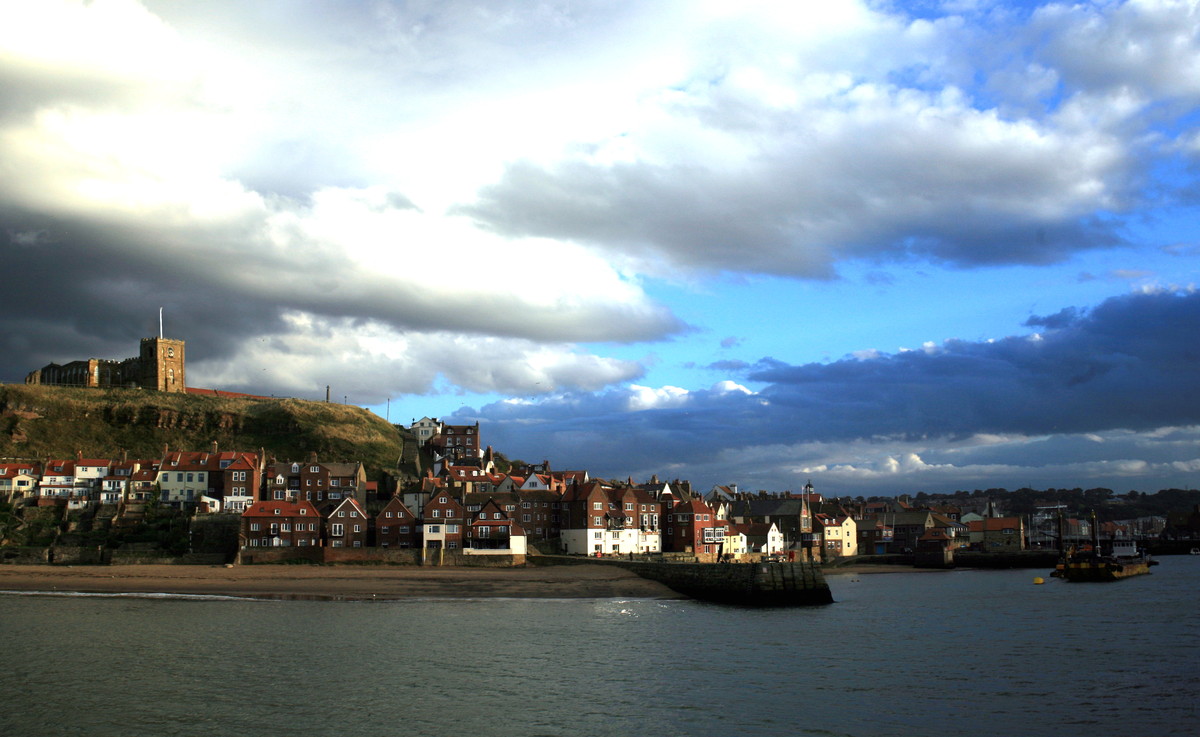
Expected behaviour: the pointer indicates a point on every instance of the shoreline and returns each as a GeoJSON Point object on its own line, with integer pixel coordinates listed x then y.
{"type": "Point", "coordinates": [336, 582]}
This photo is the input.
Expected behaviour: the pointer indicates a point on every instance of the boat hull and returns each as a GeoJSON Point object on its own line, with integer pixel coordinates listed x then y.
{"type": "Point", "coordinates": [1102, 570]}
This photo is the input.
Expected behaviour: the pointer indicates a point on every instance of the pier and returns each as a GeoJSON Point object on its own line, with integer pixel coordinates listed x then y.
{"type": "Point", "coordinates": [745, 584]}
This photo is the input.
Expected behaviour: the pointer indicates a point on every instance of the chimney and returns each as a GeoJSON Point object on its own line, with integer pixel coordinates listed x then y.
{"type": "Point", "coordinates": [214, 446]}
{"type": "Point", "coordinates": [78, 456]}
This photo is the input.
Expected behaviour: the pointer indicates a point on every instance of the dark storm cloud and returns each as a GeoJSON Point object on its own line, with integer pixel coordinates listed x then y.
{"type": "Point", "coordinates": [87, 296]}
{"type": "Point", "coordinates": [1131, 363]}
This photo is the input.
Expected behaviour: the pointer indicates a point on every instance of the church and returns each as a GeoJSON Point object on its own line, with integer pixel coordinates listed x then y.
{"type": "Point", "coordinates": [159, 366]}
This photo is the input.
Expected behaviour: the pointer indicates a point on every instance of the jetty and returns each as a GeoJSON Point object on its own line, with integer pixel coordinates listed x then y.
{"type": "Point", "coordinates": [782, 584]}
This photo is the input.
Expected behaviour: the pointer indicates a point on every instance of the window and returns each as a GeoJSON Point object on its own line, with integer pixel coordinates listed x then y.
{"type": "Point", "coordinates": [357, 528]}
{"type": "Point", "coordinates": [254, 527]}
{"type": "Point", "coordinates": [353, 513]}
{"type": "Point", "coordinates": [436, 513]}
{"type": "Point", "coordinates": [497, 515]}
{"type": "Point", "coordinates": [314, 469]}
{"type": "Point", "coordinates": [524, 518]}
{"type": "Point", "coordinates": [303, 511]}
{"type": "Point", "coordinates": [628, 506]}
{"type": "Point", "coordinates": [597, 535]}
{"type": "Point", "coordinates": [341, 514]}
{"type": "Point", "coordinates": [286, 527]}
{"type": "Point", "coordinates": [276, 511]}
{"type": "Point", "coordinates": [596, 521]}
{"type": "Point", "coordinates": [387, 514]}
{"type": "Point", "coordinates": [383, 530]}
{"type": "Point", "coordinates": [451, 528]}
{"type": "Point", "coordinates": [442, 500]}
{"type": "Point", "coordinates": [336, 529]}
{"type": "Point", "coordinates": [435, 529]}
{"type": "Point", "coordinates": [597, 505]}
{"type": "Point", "coordinates": [403, 529]}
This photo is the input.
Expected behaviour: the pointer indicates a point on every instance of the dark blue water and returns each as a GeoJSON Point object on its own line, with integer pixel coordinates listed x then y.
{"type": "Point", "coordinates": [975, 653]}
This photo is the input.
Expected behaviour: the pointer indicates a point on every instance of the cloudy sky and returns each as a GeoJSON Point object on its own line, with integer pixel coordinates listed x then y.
{"type": "Point", "coordinates": [887, 246]}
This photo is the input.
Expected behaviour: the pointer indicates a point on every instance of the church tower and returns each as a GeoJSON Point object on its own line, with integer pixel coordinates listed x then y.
{"type": "Point", "coordinates": [162, 365]}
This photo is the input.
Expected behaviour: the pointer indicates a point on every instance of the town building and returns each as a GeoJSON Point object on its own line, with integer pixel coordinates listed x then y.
{"type": "Point", "coordinates": [280, 524]}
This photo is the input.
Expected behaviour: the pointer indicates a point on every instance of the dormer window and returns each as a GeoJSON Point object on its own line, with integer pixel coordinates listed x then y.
{"type": "Point", "coordinates": [276, 511]}
{"type": "Point", "coordinates": [303, 511]}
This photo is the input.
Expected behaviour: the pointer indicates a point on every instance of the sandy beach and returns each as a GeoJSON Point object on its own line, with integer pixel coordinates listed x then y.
{"type": "Point", "coordinates": [337, 582]}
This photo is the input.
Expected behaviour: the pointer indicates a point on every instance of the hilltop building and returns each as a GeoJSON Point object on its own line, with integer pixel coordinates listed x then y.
{"type": "Point", "coordinates": [159, 366]}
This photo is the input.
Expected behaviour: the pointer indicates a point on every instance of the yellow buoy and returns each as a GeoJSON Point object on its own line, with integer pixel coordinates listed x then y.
{"type": "Point", "coordinates": [1039, 579]}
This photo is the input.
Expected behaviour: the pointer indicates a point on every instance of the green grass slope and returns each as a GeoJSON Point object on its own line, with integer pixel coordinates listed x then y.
{"type": "Point", "coordinates": [41, 421]}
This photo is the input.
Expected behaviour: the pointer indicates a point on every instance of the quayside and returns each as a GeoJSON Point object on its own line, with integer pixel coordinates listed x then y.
{"type": "Point", "coordinates": [784, 584]}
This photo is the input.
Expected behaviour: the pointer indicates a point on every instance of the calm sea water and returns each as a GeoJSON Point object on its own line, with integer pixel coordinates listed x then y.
{"type": "Point", "coordinates": [966, 652]}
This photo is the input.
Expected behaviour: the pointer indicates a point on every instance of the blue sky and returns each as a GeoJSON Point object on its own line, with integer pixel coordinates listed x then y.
{"type": "Point", "coordinates": [885, 246]}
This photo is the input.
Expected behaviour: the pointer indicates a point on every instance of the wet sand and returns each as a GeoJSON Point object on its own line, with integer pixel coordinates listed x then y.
{"type": "Point", "coordinates": [338, 582]}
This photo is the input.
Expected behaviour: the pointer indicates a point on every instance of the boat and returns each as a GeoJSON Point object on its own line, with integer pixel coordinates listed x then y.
{"type": "Point", "coordinates": [1194, 551]}
{"type": "Point", "coordinates": [1089, 563]}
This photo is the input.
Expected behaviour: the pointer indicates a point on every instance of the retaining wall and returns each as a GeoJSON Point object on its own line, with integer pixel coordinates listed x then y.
{"type": "Point", "coordinates": [378, 556]}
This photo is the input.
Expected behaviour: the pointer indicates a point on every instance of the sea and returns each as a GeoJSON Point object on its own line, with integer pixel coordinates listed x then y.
{"type": "Point", "coordinates": [922, 653]}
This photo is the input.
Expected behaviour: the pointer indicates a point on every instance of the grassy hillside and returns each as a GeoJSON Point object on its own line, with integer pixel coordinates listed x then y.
{"type": "Point", "coordinates": [41, 421]}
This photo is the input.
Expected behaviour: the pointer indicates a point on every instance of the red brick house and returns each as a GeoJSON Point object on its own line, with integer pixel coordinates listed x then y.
{"type": "Point", "coordinates": [315, 482]}
{"type": "Point", "coordinates": [346, 526]}
{"type": "Point", "coordinates": [441, 522]}
{"type": "Point", "coordinates": [583, 511]}
{"type": "Point", "coordinates": [693, 527]}
{"type": "Point", "coordinates": [280, 524]}
{"type": "Point", "coordinates": [492, 529]}
{"type": "Point", "coordinates": [396, 526]}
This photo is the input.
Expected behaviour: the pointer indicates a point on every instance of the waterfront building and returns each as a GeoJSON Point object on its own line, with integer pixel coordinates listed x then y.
{"type": "Point", "coordinates": [441, 522]}
{"type": "Point", "coordinates": [396, 526]}
{"type": "Point", "coordinates": [998, 534]}
{"type": "Point", "coordinates": [492, 531]}
{"type": "Point", "coordinates": [280, 524]}
{"type": "Point", "coordinates": [345, 524]}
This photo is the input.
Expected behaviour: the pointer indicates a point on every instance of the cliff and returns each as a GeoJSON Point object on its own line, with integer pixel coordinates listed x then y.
{"type": "Point", "coordinates": [42, 421]}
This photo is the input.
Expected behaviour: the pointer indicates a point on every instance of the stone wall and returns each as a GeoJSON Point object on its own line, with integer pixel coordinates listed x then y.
{"type": "Point", "coordinates": [378, 556]}
{"type": "Point", "coordinates": [751, 584]}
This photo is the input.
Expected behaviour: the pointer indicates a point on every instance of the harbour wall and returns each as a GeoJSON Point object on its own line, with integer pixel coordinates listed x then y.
{"type": "Point", "coordinates": [749, 584]}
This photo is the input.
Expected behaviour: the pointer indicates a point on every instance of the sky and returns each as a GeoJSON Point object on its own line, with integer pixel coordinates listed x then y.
{"type": "Point", "coordinates": [888, 247]}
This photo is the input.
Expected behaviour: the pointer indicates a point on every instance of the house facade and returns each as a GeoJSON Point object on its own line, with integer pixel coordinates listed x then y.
{"type": "Point", "coordinates": [274, 524]}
